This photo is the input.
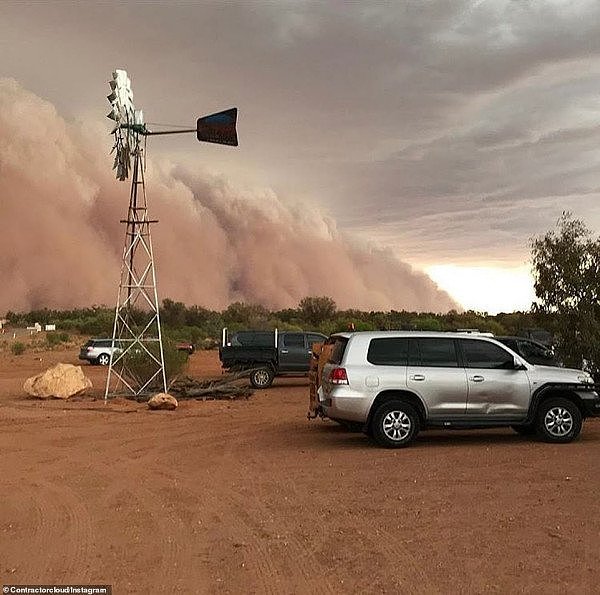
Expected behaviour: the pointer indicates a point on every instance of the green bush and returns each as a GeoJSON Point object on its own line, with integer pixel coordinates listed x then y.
{"type": "Point", "coordinates": [18, 348]}
{"type": "Point", "coordinates": [53, 339]}
{"type": "Point", "coordinates": [142, 366]}
{"type": "Point", "coordinates": [100, 324]}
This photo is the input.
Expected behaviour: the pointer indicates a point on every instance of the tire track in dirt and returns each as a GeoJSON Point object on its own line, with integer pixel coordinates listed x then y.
{"type": "Point", "coordinates": [155, 510]}
{"type": "Point", "coordinates": [218, 511]}
{"type": "Point", "coordinates": [166, 517]}
{"type": "Point", "coordinates": [399, 555]}
{"type": "Point", "coordinates": [58, 528]}
{"type": "Point", "coordinates": [256, 556]}
{"type": "Point", "coordinates": [151, 528]}
{"type": "Point", "coordinates": [215, 513]}
{"type": "Point", "coordinates": [389, 546]}
{"type": "Point", "coordinates": [296, 556]}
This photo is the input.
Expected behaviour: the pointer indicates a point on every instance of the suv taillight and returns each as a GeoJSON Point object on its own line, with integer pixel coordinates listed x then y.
{"type": "Point", "coordinates": [338, 376]}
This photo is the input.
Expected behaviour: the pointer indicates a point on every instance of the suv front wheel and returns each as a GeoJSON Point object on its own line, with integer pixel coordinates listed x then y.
{"type": "Point", "coordinates": [395, 424]}
{"type": "Point", "coordinates": [558, 420]}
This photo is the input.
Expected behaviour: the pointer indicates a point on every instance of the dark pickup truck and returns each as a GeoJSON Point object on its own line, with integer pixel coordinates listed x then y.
{"type": "Point", "coordinates": [268, 354]}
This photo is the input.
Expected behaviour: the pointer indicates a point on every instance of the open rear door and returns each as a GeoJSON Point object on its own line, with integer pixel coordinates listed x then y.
{"type": "Point", "coordinates": [320, 356]}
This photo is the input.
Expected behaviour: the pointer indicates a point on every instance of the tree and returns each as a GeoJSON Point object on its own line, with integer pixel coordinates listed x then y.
{"type": "Point", "coordinates": [252, 316]}
{"type": "Point", "coordinates": [173, 313]}
{"type": "Point", "coordinates": [316, 310]}
{"type": "Point", "coordinates": [566, 267]}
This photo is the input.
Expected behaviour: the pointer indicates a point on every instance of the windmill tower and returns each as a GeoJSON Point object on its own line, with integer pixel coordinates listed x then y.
{"type": "Point", "coordinates": [137, 362]}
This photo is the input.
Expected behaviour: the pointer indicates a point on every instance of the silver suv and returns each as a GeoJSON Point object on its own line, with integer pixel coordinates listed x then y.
{"type": "Point", "coordinates": [97, 351]}
{"type": "Point", "coordinates": [395, 383]}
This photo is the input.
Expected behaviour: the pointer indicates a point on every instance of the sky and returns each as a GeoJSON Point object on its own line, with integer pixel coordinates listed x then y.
{"type": "Point", "coordinates": [436, 137]}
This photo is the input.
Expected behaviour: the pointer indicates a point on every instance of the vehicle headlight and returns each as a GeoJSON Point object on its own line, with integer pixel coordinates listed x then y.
{"type": "Point", "coordinates": [585, 378]}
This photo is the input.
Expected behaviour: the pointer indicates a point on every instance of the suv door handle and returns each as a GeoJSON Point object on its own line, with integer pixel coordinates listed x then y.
{"type": "Point", "coordinates": [476, 378]}
{"type": "Point", "coordinates": [417, 377]}
{"type": "Point", "coordinates": [284, 351]}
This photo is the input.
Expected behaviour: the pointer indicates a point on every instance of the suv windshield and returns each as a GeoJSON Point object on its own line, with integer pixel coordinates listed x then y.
{"type": "Point", "coordinates": [532, 351]}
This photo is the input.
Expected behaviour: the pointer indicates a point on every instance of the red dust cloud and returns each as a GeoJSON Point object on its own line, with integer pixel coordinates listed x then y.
{"type": "Point", "coordinates": [61, 241]}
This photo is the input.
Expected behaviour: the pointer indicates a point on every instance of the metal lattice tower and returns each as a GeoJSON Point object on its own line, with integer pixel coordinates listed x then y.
{"type": "Point", "coordinates": [139, 366]}
{"type": "Point", "coordinates": [137, 362]}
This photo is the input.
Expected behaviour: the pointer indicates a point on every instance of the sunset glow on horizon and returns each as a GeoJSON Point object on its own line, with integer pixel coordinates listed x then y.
{"type": "Point", "coordinates": [486, 288]}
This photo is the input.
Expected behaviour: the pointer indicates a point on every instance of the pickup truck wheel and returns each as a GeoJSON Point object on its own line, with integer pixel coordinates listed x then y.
{"type": "Point", "coordinates": [395, 424]}
{"type": "Point", "coordinates": [262, 377]}
{"type": "Point", "coordinates": [558, 420]}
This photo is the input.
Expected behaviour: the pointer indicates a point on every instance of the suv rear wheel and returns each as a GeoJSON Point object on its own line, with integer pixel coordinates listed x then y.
{"type": "Point", "coordinates": [103, 359]}
{"type": "Point", "coordinates": [395, 424]}
{"type": "Point", "coordinates": [558, 420]}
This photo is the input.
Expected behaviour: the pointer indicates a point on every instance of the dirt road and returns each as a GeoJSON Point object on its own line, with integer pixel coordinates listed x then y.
{"type": "Point", "coordinates": [250, 497]}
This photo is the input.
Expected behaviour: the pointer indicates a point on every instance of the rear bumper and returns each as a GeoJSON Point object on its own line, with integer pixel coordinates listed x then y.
{"type": "Point", "coordinates": [345, 404]}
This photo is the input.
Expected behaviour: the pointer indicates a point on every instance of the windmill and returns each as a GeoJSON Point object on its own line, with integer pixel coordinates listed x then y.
{"type": "Point", "coordinates": [137, 362]}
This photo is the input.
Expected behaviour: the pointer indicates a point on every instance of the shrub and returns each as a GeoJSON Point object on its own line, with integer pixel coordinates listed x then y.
{"type": "Point", "coordinates": [140, 365]}
{"type": "Point", "coordinates": [18, 348]}
{"type": "Point", "coordinates": [52, 339]}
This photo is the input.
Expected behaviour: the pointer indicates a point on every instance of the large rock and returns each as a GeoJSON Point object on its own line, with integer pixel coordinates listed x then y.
{"type": "Point", "coordinates": [162, 401]}
{"type": "Point", "coordinates": [60, 382]}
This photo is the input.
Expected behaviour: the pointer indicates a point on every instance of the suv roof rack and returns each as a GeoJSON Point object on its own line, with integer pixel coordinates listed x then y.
{"type": "Point", "coordinates": [474, 331]}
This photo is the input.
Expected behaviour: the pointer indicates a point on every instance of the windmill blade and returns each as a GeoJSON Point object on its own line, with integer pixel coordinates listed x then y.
{"type": "Point", "coordinates": [219, 128]}
{"type": "Point", "coordinates": [124, 114]}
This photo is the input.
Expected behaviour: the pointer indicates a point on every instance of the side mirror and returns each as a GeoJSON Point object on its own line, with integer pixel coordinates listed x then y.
{"type": "Point", "coordinates": [518, 365]}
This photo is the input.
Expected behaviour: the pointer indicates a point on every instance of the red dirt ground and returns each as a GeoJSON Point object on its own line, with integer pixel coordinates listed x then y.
{"type": "Point", "coordinates": [250, 497]}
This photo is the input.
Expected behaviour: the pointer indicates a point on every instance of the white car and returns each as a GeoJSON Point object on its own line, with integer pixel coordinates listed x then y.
{"type": "Point", "coordinates": [98, 351]}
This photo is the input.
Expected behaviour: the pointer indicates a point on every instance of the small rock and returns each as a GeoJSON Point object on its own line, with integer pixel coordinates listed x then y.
{"type": "Point", "coordinates": [163, 401]}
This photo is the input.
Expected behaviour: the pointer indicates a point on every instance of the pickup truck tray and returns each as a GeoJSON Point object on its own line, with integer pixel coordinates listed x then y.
{"type": "Point", "coordinates": [232, 355]}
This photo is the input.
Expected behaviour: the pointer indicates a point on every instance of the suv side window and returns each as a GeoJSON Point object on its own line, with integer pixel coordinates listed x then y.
{"type": "Point", "coordinates": [388, 352]}
{"type": "Point", "coordinates": [434, 353]}
{"type": "Point", "coordinates": [293, 340]}
{"type": "Point", "coordinates": [481, 354]}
